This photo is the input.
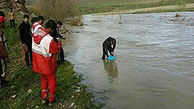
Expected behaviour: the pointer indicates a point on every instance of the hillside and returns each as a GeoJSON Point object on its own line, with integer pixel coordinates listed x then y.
{"type": "Point", "coordinates": [17, 5]}
{"type": "Point", "coordinates": [99, 6]}
{"type": "Point", "coordinates": [30, 2]}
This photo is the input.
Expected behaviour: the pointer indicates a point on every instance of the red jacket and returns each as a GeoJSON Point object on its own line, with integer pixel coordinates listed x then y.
{"type": "Point", "coordinates": [35, 27]}
{"type": "Point", "coordinates": [44, 50]}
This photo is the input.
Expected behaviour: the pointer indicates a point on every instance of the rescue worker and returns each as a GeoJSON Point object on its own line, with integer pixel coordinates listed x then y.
{"type": "Point", "coordinates": [38, 24]}
{"type": "Point", "coordinates": [44, 50]}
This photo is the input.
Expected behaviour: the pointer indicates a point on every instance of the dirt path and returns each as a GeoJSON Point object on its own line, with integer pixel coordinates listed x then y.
{"type": "Point", "coordinates": [144, 10]}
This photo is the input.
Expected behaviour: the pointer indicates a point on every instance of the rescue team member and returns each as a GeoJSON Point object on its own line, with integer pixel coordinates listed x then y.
{"type": "Point", "coordinates": [44, 50]}
{"type": "Point", "coordinates": [38, 24]}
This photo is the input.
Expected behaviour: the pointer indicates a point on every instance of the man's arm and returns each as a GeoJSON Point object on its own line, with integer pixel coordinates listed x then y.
{"type": "Point", "coordinates": [106, 52]}
{"type": "Point", "coordinates": [54, 47]}
{"type": "Point", "coordinates": [58, 33]}
{"type": "Point", "coordinates": [114, 46]}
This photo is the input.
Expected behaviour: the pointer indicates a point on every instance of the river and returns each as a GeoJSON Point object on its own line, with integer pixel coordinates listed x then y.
{"type": "Point", "coordinates": [154, 66]}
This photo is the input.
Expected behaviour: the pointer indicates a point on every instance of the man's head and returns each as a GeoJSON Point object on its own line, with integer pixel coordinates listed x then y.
{"type": "Point", "coordinates": [59, 24]}
{"type": "Point", "coordinates": [34, 19]}
{"type": "Point", "coordinates": [11, 10]}
{"type": "Point", "coordinates": [26, 18]}
{"type": "Point", "coordinates": [1, 8]}
{"type": "Point", "coordinates": [50, 26]}
{"type": "Point", "coordinates": [40, 19]}
{"type": "Point", "coordinates": [113, 42]}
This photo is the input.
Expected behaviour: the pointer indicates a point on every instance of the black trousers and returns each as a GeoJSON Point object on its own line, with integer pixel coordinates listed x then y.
{"type": "Point", "coordinates": [12, 23]}
{"type": "Point", "coordinates": [3, 25]}
{"type": "Point", "coordinates": [3, 68]}
{"type": "Point", "coordinates": [61, 55]}
{"type": "Point", "coordinates": [28, 56]}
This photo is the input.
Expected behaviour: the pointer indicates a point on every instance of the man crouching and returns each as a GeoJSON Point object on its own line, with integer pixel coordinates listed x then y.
{"type": "Point", "coordinates": [108, 45]}
{"type": "Point", "coordinates": [44, 50]}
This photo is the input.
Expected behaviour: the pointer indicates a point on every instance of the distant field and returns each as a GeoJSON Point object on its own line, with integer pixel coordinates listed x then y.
{"type": "Point", "coordinates": [99, 6]}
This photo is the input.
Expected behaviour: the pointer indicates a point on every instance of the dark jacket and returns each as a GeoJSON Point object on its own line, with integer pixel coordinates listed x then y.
{"type": "Point", "coordinates": [25, 33]}
{"type": "Point", "coordinates": [56, 34]}
{"type": "Point", "coordinates": [107, 45]}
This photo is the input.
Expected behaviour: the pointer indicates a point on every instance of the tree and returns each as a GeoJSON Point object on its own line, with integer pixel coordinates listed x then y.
{"type": "Point", "coordinates": [17, 5]}
{"type": "Point", "coordinates": [58, 9]}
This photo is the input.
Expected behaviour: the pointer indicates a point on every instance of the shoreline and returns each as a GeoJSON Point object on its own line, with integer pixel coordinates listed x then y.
{"type": "Point", "coordinates": [160, 9]}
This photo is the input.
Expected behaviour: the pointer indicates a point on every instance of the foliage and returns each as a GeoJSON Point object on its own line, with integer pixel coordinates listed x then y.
{"type": "Point", "coordinates": [58, 9]}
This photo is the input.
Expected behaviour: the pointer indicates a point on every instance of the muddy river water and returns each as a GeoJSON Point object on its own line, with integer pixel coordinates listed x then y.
{"type": "Point", "coordinates": [154, 66]}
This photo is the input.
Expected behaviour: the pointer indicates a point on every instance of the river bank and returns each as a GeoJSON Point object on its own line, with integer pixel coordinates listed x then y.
{"type": "Point", "coordinates": [24, 89]}
{"type": "Point", "coordinates": [170, 8]}
{"type": "Point", "coordinates": [135, 6]}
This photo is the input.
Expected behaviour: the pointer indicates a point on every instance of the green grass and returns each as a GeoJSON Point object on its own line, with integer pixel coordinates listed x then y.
{"type": "Point", "coordinates": [166, 10]}
{"type": "Point", "coordinates": [23, 79]}
{"type": "Point", "coordinates": [108, 6]}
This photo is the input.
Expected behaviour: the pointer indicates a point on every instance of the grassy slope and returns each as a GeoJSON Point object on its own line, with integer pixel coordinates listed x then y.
{"type": "Point", "coordinates": [25, 84]}
{"type": "Point", "coordinates": [109, 6]}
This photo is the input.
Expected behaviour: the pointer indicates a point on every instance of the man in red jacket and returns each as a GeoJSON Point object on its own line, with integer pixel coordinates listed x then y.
{"type": "Point", "coordinates": [37, 24]}
{"type": "Point", "coordinates": [44, 50]}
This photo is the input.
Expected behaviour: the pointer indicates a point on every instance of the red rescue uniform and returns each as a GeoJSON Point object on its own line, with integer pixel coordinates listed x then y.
{"type": "Point", "coordinates": [44, 50]}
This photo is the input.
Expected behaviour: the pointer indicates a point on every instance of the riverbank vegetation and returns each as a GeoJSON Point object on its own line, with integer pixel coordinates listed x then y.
{"type": "Point", "coordinates": [63, 10]}
{"type": "Point", "coordinates": [100, 6]}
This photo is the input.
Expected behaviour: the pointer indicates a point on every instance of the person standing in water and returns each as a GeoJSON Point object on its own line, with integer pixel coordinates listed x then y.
{"type": "Point", "coordinates": [108, 46]}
